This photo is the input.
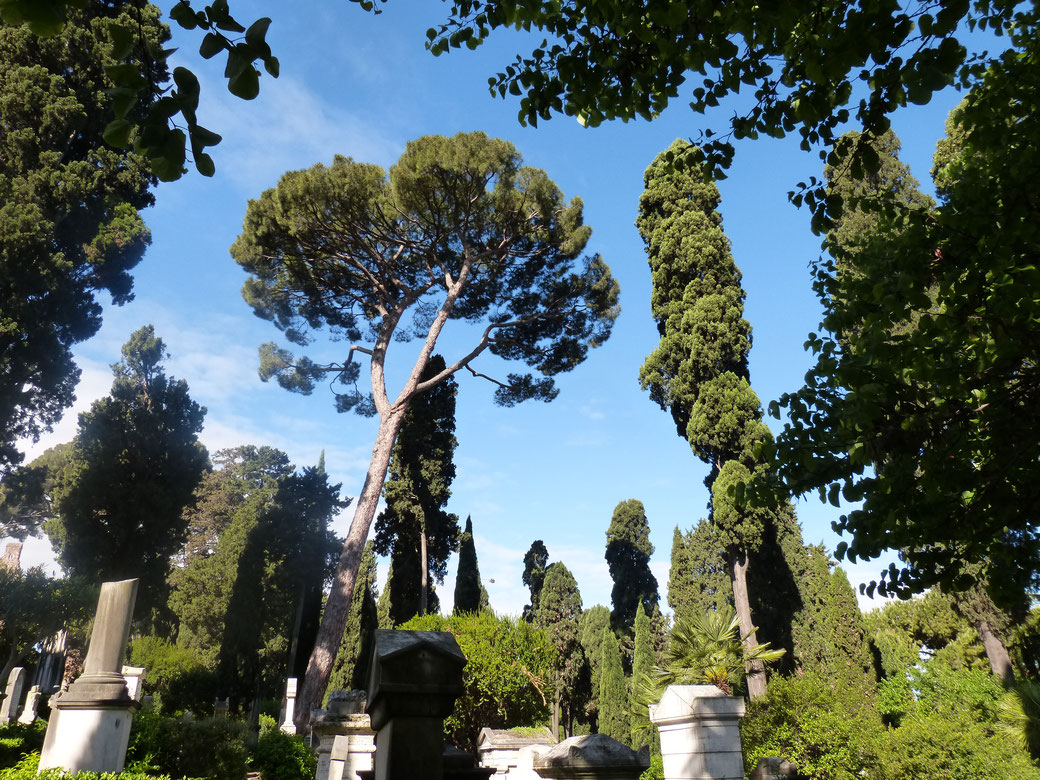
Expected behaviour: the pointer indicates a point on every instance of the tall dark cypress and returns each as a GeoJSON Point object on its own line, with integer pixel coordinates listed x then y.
{"type": "Point", "coordinates": [628, 558]}
{"type": "Point", "coordinates": [468, 587]}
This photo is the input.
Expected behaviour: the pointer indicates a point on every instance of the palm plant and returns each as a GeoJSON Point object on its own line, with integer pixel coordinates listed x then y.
{"type": "Point", "coordinates": [1018, 714]}
{"type": "Point", "coordinates": [703, 650]}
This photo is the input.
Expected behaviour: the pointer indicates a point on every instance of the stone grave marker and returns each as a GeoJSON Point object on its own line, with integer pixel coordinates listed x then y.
{"type": "Point", "coordinates": [12, 695]}
{"type": "Point", "coordinates": [32, 703]}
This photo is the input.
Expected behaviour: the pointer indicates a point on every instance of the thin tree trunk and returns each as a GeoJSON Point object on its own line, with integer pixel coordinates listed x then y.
{"type": "Point", "coordinates": [424, 569]}
{"type": "Point", "coordinates": [291, 666]}
{"type": "Point", "coordinates": [556, 715]}
{"type": "Point", "coordinates": [334, 616]}
{"type": "Point", "coordinates": [756, 675]}
{"type": "Point", "coordinates": [996, 652]}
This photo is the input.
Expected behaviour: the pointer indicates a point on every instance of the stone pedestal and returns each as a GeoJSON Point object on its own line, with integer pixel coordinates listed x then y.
{"type": "Point", "coordinates": [134, 676]}
{"type": "Point", "coordinates": [9, 708]}
{"type": "Point", "coordinates": [32, 702]}
{"type": "Point", "coordinates": [415, 678]}
{"type": "Point", "coordinates": [511, 755]}
{"type": "Point", "coordinates": [592, 757]}
{"type": "Point", "coordinates": [700, 733]}
{"type": "Point", "coordinates": [288, 725]}
{"type": "Point", "coordinates": [346, 741]}
{"type": "Point", "coordinates": [89, 726]}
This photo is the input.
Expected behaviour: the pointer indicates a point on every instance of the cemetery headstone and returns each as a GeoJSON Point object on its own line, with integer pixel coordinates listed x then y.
{"type": "Point", "coordinates": [415, 678]}
{"type": "Point", "coordinates": [511, 754]}
{"type": "Point", "coordinates": [32, 703]}
{"type": "Point", "coordinates": [592, 757]}
{"type": "Point", "coordinates": [346, 741]}
{"type": "Point", "coordinates": [700, 733]}
{"type": "Point", "coordinates": [12, 695]}
{"type": "Point", "coordinates": [90, 722]}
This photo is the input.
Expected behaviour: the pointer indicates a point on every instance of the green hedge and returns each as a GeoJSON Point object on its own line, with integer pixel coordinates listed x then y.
{"type": "Point", "coordinates": [19, 739]}
{"type": "Point", "coordinates": [28, 769]}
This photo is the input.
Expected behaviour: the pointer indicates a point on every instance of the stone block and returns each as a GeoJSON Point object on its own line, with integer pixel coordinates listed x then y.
{"type": "Point", "coordinates": [700, 733]}
{"type": "Point", "coordinates": [11, 705]}
{"type": "Point", "coordinates": [592, 757]}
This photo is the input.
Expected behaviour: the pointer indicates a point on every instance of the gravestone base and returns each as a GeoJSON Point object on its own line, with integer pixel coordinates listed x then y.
{"type": "Point", "coordinates": [87, 740]}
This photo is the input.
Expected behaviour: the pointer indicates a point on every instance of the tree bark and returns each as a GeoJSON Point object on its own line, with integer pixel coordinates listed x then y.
{"type": "Point", "coordinates": [996, 652]}
{"type": "Point", "coordinates": [334, 616]}
{"type": "Point", "coordinates": [756, 670]}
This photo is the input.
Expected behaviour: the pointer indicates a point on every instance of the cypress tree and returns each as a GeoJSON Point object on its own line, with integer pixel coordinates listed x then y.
{"type": "Point", "coordinates": [628, 558]}
{"type": "Point", "coordinates": [350, 669]}
{"type": "Point", "coordinates": [698, 580]}
{"type": "Point", "coordinates": [558, 615]}
{"type": "Point", "coordinates": [593, 621]}
{"type": "Point", "coordinates": [613, 694]}
{"type": "Point", "coordinates": [699, 370]}
{"type": "Point", "coordinates": [535, 561]}
{"type": "Point", "coordinates": [643, 659]}
{"type": "Point", "coordinates": [470, 595]}
{"type": "Point", "coordinates": [414, 529]}
{"type": "Point", "coordinates": [384, 616]}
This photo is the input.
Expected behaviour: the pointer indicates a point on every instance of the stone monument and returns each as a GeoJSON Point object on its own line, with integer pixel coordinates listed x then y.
{"type": "Point", "coordinates": [414, 680]}
{"type": "Point", "coordinates": [90, 722]}
{"type": "Point", "coordinates": [32, 703]}
{"type": "Point", "coordinates": [12, 695]}
{"type": "Point", "coordinates": [134, 676]}
{"type": "Point", "coordinates": [700, 733]}
{"type": "Point", "coordinates": [288, 726]}
{"type": "Point", "coordinates": [592, 757]}
{"type": "Point", "coordinates": [346, 741]}
{"type": "Point", "coordinates": [512, 754]}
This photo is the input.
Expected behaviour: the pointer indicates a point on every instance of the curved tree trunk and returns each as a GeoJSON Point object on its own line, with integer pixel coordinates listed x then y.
{"type": "Point", "coordinates": [424, 570]}
{"type": "Point", "coordinates": [756, 670]}
{"type": "Point", "coordinates": [996, 652]}
{"type": "Point", "coordinates": [334, 616]}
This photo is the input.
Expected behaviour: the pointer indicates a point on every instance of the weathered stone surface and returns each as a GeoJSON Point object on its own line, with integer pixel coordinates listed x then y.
{"type": "Point", "coordinates": [134, 677]}
{"type": "Point", "coordinates": [593, 756]}
{"type": "Point", "coordinates": [11, 705]}
{"type": "Point", "coordinates": [89, 726]}
{"type": "Point", "coordinates": [32, 703]}
{"type": "Point", "coordinates": [343, 731]}
{"type": "Point", "coordinates": [700, 733]}
{"type": "Point", "coordinates": [773, 768]}
{"type": "Point", "coordinates": [414, 681]}
{"type": "Point", "coordinates": [510, 754]}
{"type": "Point", "coordinates": [288, 726]}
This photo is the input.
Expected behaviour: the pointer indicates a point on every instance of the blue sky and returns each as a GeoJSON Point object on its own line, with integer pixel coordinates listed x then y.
{"type": "Point", "coordinates": [362, 85]}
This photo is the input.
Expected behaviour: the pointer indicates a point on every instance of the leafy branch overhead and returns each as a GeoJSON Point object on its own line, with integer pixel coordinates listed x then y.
{"type": "Point", "coordinates": [157, 135]}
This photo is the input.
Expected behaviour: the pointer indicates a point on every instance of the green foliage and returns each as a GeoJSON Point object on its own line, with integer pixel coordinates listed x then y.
{"type": "Point", "coordinates": [166, 664]}
{"type": "Point", "coordinates": [559, 613]}
{"type": "Point", "coordinates": [416, 491]}
{"type": "Point", "coordinates": [350, 669]}
{"type": "Point", "coordinates": [468, 587]}
{"type": "Point", "coordinates": [54, 163]}
{"type": "Point", "coordinates": [613, 691]}
{"type": "Point", "coordinates": [643, 661]}
{"type": "Point", "coordinates": [536, 559]}
{"type": "Point", "coordinates": [622, 60]}
{"type": "Point", "coordinates": [1018, 713]}
{"type": "Point", "coordinates": [281, 756]}
{"type": "Point", "coordinates": [33, 607]}
{"type": "Point", "coordinates": [18, 739]}
{"type": "Point", "coordinates": [117, 500]}
{"type": "Point", "coordinates": [29, 769]}
{"type": "Point", "coordinates": [656, 769]}
{"type": "Point", "coordinates": [590, 634]}
{"type": "Point", "coordinates": [826, 729]}
{"type": "Point", "coordinates": [628, 558]}
{"type": "Point", "coordinates": [259, 544]}
{"type": "Point", "coordinates": [920, 401]}
{"type": "Point", "coordinates": [697, 579]}
{"type": "Point", "coordinates": [507, 677]}
{"type": "Point", "coordinates": [214, 749]}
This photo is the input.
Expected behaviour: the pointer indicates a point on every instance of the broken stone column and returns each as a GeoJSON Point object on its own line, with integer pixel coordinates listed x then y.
{"type": "Point", "coordinates": [134, 676]}
{"type": "Point", "coordinates": [343, 730]}
{"type": "Point", "coordinates": [12, 695]}
{"type": "Point", "coordinates": [288, 726]}
{"type": "Point", "coordinates": [700, 733]}
{"type": "Point", "coordinates": [90, 722]}
{"type": "Point", "coordinates": [592, 757]}
{"type": "Point", "coordinates": [32, 703]}
{"type": "Point", "coordinates": [414, 681]}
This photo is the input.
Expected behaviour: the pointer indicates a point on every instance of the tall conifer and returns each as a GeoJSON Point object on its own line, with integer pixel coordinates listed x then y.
{"type": "Point", "coordinates": [469, 590]}
{"type": "Point", "coordinates": [350, 671]}
{"type": "Point", "coordinates": [558, 615]}
{"type": "Point", "coordinates": [628, 558]}
{"type": "Point", "coordinates": [643, 660]}
{"type": "Point", "coordinates": [613, 693]}
{"type": "Point", "coordinates": [699, 370]}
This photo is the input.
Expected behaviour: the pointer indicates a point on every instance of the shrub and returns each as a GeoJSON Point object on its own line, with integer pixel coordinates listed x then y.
{"type": "Point", "coordinates": [28, 769]}
{"type": "Point", "coordinates": [506, 675]}
{"type": "Point", "coordinates": [18, 739]}
{"type": "Point", "coordinates": [175, 676]}
{"type": "Point", "coordinates": [213, 749]}
{"type": "Point", "coordinates": [829, 732]}
{"type": "Point", "coordinates": [281, 756]}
